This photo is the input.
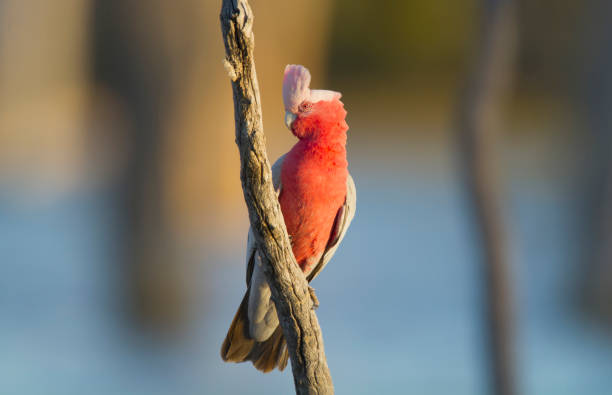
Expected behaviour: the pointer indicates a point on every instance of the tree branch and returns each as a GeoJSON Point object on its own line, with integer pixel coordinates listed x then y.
{"type": "Point", "coordinates": [287, 283]}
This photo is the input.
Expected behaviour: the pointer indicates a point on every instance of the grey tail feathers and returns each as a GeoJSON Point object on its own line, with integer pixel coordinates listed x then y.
{"type": "Point", "coordinates": [239, 347]}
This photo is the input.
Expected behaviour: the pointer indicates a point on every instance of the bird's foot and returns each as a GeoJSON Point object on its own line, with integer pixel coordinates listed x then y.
{"type": "Point", "coordinates": [313, 297]}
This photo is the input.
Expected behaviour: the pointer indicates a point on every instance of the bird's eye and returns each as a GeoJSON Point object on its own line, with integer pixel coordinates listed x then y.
{"type": "Point", "coordinates": [305, 107]}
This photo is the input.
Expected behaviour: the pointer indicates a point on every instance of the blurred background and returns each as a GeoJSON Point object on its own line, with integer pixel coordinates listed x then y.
{"type": "Point", "coordinates": [122, 221]}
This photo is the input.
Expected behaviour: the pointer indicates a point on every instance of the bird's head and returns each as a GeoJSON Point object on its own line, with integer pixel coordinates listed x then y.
{"type": "Point", "coordinates": [301, 101]}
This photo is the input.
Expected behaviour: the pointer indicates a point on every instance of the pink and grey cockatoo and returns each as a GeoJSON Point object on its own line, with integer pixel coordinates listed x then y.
{"type": "Point", "coordinates": [317, 198]}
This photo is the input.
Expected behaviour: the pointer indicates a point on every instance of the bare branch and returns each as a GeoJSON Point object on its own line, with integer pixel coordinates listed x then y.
{"type": "Point", "coordinates": [288, 284]}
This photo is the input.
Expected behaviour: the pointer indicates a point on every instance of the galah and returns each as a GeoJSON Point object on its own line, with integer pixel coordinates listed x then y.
{"type": "Point", "coordinates": [317, 199]}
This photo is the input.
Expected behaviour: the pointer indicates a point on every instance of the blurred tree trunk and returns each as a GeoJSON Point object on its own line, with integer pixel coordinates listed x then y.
{"type": "Point", "coordinates": [133, 61]}
{"type": "Point", "coordinates": [479, 125]}
{"type": "Point", "coordinates": [595, 80]}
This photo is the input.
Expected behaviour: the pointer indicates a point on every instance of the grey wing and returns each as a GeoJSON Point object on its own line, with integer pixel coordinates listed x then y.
{"type": "Point", "coordinates": [263, 319]}
{"type": "Point", "coordinates": [341, 224]}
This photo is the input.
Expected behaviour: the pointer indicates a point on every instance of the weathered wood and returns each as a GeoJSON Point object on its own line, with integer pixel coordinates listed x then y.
{"type": "Point", "coordinates": [478, 126]}
{"type": "Point", "coordinates": [288, 284]}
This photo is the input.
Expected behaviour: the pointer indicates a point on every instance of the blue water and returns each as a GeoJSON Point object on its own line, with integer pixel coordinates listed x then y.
{"type": "Point", "coordinates": [400, 302]}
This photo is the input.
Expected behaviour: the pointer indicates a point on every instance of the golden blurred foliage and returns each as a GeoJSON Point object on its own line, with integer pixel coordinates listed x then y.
{"type": "Point", "coordinates": [199, 129]}
{"type": "Point", "coordinates": [44, 87]}
{"type": "Point", "coordinates": [53, 115]}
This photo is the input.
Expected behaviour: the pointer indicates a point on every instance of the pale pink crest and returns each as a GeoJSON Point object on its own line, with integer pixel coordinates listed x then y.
{"type": "Point", "coordinates": [296, 89]}
{"type": "Point", "coordinates": [319, 95]}
{"type": "Point", "coordinates": [296, 84]}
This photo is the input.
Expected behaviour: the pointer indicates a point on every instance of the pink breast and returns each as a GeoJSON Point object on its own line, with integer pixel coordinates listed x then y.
{"type": "Point", "coordinates": [311, 196]}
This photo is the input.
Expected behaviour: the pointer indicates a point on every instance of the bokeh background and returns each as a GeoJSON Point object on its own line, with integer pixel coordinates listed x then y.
{"type": "Point", "coordinates": [122, 222]}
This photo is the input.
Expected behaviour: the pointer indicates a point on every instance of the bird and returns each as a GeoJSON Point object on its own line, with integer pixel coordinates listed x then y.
{"type": "Point", "coordinates": [318, 201]}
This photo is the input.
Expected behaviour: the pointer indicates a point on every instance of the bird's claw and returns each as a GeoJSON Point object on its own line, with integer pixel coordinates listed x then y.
{"type": "Point", "coordinates": [313, 297]}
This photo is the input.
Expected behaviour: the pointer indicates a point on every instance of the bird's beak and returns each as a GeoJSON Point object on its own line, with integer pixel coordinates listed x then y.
{"type": "Point", "coordinates": [289, 118]}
